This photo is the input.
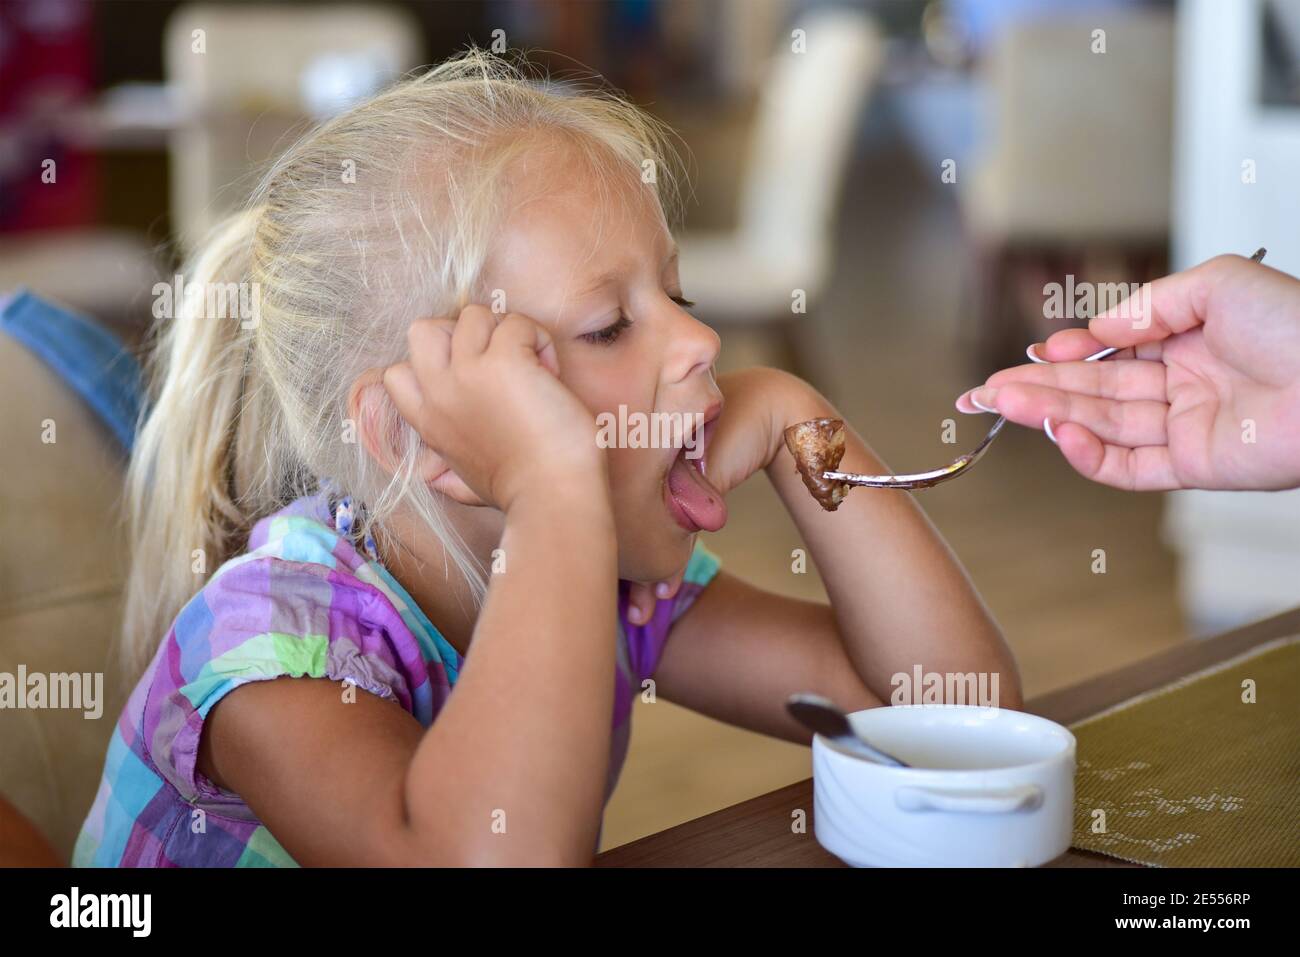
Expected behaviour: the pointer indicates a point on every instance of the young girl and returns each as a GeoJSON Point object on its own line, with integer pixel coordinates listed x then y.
{"type": "Point", "coordinates": [378, 509]}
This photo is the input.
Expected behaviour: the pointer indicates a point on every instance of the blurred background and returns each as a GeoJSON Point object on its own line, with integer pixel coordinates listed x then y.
{"type": "Point", "coordinates": [921, 169]}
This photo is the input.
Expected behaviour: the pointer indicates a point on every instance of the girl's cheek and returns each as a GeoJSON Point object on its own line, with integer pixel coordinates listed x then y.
{"type": "Point", "coordinates": [621, 466]}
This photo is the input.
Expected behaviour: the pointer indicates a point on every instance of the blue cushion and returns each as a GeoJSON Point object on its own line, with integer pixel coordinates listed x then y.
{"type": "Point", "coordinates": [91, 360]}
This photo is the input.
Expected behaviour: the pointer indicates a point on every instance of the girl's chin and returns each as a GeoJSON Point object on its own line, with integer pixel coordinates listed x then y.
{"type": "Point", "coordinates": [666, 562]}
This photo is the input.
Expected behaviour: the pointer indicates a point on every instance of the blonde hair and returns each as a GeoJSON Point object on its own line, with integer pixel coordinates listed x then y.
{"type": "Point", "coordinates": [246, 416]}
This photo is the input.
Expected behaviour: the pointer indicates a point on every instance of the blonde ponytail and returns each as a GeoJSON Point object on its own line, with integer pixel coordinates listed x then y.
{"type": "Point", "coordinates": [380, 216]}
{"type": "Point", "coordinates": [185, 509]}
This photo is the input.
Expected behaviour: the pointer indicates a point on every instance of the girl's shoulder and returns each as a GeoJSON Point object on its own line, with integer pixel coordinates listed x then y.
{"type": "Point", "coordinates": [300, 602]}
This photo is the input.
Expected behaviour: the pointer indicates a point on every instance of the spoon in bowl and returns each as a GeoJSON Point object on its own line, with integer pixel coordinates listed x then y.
{"type": "Point", "coordinates": [820, 716]}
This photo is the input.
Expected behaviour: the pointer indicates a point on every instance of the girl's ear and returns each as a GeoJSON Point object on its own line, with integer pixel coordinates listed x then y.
{"type": "Point", "coordinates": [375, 421]}
{"type": "Point", "coordinates": [378, 426]}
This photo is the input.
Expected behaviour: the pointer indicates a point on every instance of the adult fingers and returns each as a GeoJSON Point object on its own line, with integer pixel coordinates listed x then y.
{"type": "Point", "coordinates": [1132, 423]}
{"type": "Point", "coordinates": [1112, 379]}
{"type": "Point", "coordinates": [1143, 469]}
{"type": "Point", "coordinates": [1070, 345]}
{"type": "Point", "coordinates": [1169, 305]}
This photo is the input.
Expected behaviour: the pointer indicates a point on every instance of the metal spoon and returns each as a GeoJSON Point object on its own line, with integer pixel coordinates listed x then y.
{"type": "Point", "coordinates": [917, 480]}
{"type": "Point", "coordinates": [932, 478]}
{"type": "Point", "coordinates": [960, 465]}
{"type": "Point", "coordinates": [820, 716]}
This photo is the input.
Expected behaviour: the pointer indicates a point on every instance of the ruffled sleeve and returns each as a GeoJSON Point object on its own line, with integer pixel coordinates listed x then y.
{"type": "Point", "coordinates": [267, 618]}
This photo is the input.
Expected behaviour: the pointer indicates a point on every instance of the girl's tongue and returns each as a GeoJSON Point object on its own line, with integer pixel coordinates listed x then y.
{"type": "Point", "coordinates": [695, 495]}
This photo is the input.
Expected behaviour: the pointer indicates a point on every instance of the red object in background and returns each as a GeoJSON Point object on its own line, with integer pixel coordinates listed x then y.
{"type": "Point", "coordinates": [46, 68]}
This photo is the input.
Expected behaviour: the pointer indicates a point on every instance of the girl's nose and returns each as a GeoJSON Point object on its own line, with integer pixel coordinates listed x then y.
{"type": "Point", "coordinates": [695, 347]}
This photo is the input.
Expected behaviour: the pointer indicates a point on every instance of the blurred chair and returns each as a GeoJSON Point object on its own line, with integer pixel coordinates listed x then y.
{"type": "Point", "coordinates": [107, 272]}
{"type": "Point", "coordinates": [63, 556]}
{"type": "Point", "coordinates": [791, 179]}
{"type": "Point", "coordinates": [1059, 184]}
{"type": "Point", "coordinates": [265, 73]}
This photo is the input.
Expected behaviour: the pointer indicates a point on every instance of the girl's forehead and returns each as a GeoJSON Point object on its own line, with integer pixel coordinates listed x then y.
{"type": "Point", "coordinates": [576, 238]}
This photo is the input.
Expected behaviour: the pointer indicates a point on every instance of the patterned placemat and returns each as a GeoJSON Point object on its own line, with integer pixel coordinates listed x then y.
{"type": "Point", "coordinates": [1203, 772]}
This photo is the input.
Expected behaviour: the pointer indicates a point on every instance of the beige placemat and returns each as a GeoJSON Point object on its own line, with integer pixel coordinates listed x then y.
{"type": "Point", "coordinates": [1192, 775]}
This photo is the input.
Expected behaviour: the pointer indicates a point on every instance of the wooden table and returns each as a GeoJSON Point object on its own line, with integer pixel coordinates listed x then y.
{"type": "Point", "coordinates": [757, 833]}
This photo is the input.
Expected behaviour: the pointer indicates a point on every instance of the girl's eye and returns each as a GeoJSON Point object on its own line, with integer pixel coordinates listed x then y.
{"type": "Point", "coordinates": [607, 336]}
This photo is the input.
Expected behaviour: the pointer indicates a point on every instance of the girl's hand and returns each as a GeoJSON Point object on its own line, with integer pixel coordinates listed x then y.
{"type": "Point", "coordinates": [483, 392]}
{"type": "Point", "coordinates": [1206, 393]}
{"type": "Point", "coordinates": [758, 405]}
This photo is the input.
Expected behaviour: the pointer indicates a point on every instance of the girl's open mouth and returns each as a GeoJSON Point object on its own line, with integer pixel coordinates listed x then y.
{"type": "Point", "coordinates": [692, 500]}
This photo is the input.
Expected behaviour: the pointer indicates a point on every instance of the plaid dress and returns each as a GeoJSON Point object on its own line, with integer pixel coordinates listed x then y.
{"type": "Point", "coordinates": [301, 602]}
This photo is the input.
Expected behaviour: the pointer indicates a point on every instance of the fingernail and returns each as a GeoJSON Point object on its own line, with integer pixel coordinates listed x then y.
{"type": "Point", "coordinates": [983, 399]}
{"type": "Point", "coordinates": [1047, 427]}
{"type": "Point", "coordinates": [1032, 352]}
{"type": "Point", "coordinates": [634, 614]}
{"type": "Point", "coordinates": [661, 589]}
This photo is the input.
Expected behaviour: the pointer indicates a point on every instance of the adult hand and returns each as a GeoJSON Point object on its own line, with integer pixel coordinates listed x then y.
{"type": "Point", "coordinates": [1204, 394]}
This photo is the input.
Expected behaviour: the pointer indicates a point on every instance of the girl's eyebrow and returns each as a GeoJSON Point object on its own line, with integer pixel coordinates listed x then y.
{"type": "Point", "coordinates": [605, 278]}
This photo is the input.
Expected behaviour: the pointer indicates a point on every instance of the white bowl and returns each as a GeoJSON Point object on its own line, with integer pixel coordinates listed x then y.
{"type": "Point", "coordinates": [987, 788]}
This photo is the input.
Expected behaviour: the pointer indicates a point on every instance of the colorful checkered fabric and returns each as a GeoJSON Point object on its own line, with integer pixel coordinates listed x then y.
{"type": "Point", "coordinates": [301, 602]}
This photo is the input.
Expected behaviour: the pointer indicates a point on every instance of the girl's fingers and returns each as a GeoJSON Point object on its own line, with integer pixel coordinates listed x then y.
{"type": "Point", "coordinates": [403, 387]}
{"type": "Point", "coordinates": [428, 343]}
{"type": "Point", "coordinates": [451, 485]}
{"type": "Point", "coordinates": [643, 597]}
{"type": "Point", "coordinates": [1112, 379]}
{"type": "Point", "coordinates": [434, 470]}
{"type": "Point", "coordinates": [518, 332]}
{"type": "Point", "coordinates": [640, 603]}
{"type": "Point", "coordinates": [549, 358]}
{"type": "Point", "coordinates": [669, 587]}
{"type": "Point", "coordinates": [1131, 423]}
{"type": "Point", "coordinates": [473, 331]}
{"type": "Point", "coordinates": [1144, 469]}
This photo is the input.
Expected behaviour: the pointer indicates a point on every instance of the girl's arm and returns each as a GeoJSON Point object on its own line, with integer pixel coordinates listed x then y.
{"type": "Point", "coordinates": [513, 770]}
{"type": "Point", "coordinates": [359, 784]}
{"type": "Point", "coordinates": [898, 597]}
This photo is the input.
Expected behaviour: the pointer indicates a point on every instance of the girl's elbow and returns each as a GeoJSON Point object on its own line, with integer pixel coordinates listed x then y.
{"type": "Point", "coordinates": [493, 850]}
{"type": "Point", "coordinates": [1010, 694]}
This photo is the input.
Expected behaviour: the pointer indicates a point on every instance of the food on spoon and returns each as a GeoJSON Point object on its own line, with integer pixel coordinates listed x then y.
{"type": "Point", "coordinates": [817, 447]}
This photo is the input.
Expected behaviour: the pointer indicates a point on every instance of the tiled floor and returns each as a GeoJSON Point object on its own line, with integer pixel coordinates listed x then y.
{"type": "Point", "coordinates": [1023, 523]}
